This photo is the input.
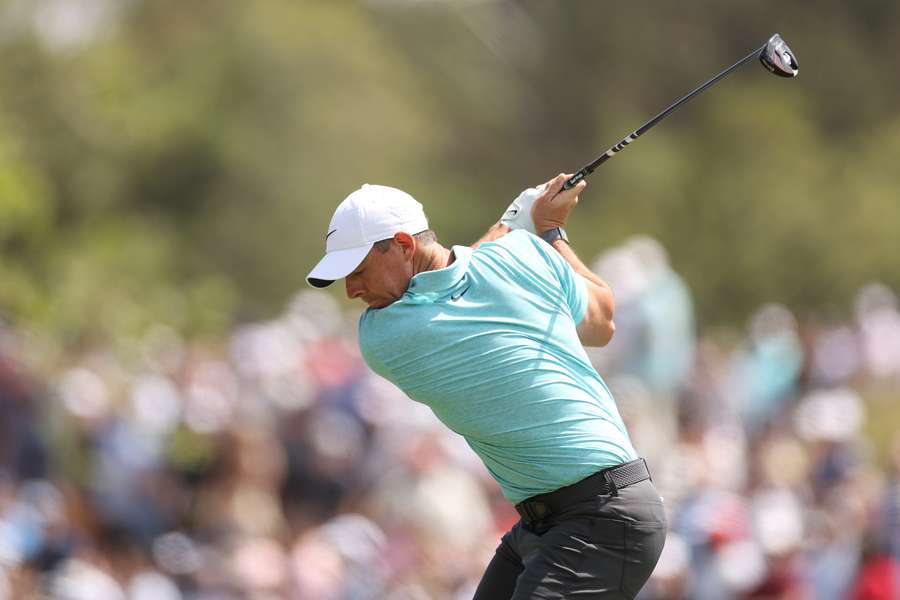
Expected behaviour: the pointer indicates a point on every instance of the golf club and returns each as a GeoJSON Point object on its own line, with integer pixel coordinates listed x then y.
{"type": "Point", "coordinates": [774, 55]}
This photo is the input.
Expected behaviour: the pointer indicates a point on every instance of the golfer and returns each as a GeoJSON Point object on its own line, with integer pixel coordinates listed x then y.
{"type": "Point", "coordinates": [490, 338]}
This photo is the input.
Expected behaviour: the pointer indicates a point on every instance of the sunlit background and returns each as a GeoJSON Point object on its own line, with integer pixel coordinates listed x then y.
{"type": "Point", "coordinates": [182, 419]}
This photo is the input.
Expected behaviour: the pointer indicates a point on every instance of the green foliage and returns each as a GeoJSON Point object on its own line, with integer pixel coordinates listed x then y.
{"type": "Point", "coordinates": [180, 164]}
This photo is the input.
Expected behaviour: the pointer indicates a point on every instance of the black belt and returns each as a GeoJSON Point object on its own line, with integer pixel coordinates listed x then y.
{"type": "Point", "coordinates": [608, 481]}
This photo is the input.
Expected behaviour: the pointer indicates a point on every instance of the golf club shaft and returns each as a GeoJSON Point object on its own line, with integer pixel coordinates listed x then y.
{"type": "Point", "coordinates": [589, 168]}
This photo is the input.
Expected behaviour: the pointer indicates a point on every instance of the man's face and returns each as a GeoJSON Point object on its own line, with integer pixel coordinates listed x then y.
{"type": "Point", "coordinates": [382, 277]}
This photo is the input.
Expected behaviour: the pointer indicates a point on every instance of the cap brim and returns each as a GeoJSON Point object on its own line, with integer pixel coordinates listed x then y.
{"type": "Point", "coordinates": [337, 265]}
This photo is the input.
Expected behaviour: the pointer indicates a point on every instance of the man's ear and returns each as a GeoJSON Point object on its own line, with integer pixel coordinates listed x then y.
{"type": "Point", "coordinates": [406, 242]}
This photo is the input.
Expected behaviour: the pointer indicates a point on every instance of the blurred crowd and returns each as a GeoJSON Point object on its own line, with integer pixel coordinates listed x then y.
{"type": "Point", "coordinates": [274, 464]}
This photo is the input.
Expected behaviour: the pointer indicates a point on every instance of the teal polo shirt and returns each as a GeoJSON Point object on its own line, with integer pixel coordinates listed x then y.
{"type": "Point", "coordinates": [489, 343]}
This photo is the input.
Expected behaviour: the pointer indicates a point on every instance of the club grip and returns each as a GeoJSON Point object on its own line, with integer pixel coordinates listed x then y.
{"type": "Point", "coordinates": [573, 180]}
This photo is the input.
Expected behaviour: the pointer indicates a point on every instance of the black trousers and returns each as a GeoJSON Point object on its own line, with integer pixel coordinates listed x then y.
{"type": "Point", "coordinates": [603, 549]}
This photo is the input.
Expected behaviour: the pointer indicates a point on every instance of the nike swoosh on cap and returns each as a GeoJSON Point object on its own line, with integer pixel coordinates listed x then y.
{"type": "Point", "coordinates": [329, 233]}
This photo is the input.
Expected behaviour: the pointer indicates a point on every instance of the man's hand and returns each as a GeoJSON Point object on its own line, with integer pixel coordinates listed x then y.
{"type": "Point", "coordinates": [518, 214]}
{"type": "Point", "coordinates": [552, 207]}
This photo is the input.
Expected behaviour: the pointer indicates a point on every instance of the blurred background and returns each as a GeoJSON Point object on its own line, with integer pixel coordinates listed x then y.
{"type": "Point", "coordinates": [180, 418]}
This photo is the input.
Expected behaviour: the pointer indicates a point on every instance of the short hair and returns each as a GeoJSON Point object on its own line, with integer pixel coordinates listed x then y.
{"type": "Point", "coordinates": [425, 238]}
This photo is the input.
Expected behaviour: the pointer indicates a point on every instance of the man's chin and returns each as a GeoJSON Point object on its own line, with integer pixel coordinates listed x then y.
{"type": "Point", "coordinates": [380, 303]}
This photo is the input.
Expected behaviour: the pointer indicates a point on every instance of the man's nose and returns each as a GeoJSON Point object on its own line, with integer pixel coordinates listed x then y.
{"type": "Point", "coordinates": [354, 289]}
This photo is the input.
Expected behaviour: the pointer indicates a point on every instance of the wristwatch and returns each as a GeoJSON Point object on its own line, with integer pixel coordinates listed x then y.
{"type": "Point", "coordinates": [556, 233]}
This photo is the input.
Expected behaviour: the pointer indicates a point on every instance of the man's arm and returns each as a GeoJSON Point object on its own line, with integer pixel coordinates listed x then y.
{"type": "Point", "coordinates": [497, 230]}
{"type": "Point", "coordinates": [551, 210]}
{"type": "Point", "coordinates": [516, 216]}
{"type": "Point", "coordinates": [597, 327]}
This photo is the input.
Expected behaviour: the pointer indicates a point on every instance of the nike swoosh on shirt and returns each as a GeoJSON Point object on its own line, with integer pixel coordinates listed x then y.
{"type": "Point", "coordinates": [329, 233]}
{"type": "Point", "coordinates": [456, 297]}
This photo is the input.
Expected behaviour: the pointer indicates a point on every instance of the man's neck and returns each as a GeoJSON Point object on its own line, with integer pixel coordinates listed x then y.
{"type": "Point", "coordinates": [433, 257]}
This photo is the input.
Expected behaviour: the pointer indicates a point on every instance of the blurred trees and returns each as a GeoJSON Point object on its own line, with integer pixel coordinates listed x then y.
{"type": "Point", "coordinates": [178, 162]}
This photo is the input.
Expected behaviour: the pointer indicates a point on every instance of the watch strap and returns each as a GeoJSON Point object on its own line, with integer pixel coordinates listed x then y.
{"type": "Point", "coordinates": [553, 234]}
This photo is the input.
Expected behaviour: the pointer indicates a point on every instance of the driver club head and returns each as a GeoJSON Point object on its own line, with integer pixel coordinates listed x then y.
{"type": "Point", "coordinates": [778, 58]}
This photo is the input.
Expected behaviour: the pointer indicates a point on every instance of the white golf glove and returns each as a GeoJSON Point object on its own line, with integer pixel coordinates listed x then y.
{"type": "Point", "coordinates": [518, 214]}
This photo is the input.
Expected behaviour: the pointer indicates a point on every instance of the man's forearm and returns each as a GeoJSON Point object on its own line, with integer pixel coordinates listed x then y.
{"type": "Point", "coordinates": [597, 327]}
{"type": "Point", "coordinates": [497, 230]}
{"type": "Point", "coordinates": [567, 253]}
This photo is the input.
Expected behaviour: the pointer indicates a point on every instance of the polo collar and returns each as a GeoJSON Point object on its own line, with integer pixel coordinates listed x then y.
{"type": "Point", "coordinates": [430, 286]}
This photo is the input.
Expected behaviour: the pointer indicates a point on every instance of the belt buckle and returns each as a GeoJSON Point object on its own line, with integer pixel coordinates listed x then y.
{"type": "Point", "coordinates": [534, 512]}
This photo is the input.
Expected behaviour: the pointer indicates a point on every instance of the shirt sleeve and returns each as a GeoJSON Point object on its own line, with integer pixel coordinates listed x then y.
{"type": "Point", "coordinates": [545, 265]}
{"type": "Point", "coordinates": [365, 336]}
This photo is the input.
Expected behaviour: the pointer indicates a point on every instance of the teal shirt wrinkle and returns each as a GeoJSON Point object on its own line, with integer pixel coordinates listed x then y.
{"type": "Point", "coordinates": [489, 343]}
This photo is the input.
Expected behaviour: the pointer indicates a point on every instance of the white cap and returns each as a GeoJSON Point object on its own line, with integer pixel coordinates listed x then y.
{"type": "Point", "coordinates": [370, 214]}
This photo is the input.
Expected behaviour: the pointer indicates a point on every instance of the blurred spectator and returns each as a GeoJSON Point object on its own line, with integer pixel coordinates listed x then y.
{"type": "Point", "coordinates": [879, 323]}
{"type": "Point", "coordinates": [22, 450]}
{"type": "Point", "coordinates": [766, 368]}
{"type": "Point", "coordinates": [655, 335]}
